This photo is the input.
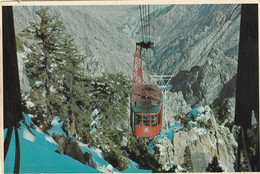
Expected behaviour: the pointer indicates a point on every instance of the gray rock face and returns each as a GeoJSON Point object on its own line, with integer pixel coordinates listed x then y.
{"type": "Point", "coordinates": [24, 82]}
{"type": "Point", "coordinates": [96, 36]}
{"type": "Point", "coordinates": [61, 141]}
{"type": "Point", "coordinates": [176, 105]}
{"type": "Point", "coordinates": [205, 84]}
{"type": "Point", "coordinates": [195, 144]}
{"type": "Point", "coordinates": [165, 156]}
{"type": "Point", "coordinates": [205, 143]}
{"type": "Point", "coordinates": [70, 147]}
{"type": "Point", "coordinates": [187, 34]}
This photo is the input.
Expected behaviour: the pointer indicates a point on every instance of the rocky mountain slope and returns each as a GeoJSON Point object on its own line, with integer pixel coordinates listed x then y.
{"type": "Point", "coordinates": [186, 36]}
{"type": "Point", "coordinates": [95, 35]}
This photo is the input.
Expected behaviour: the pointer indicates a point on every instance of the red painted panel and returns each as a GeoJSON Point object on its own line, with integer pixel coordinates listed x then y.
{"type": "Point", "coordinates": [148, 131]}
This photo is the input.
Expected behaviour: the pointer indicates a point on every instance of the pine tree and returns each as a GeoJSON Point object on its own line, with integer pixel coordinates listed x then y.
{"type": "Point", "coordinates": [111, 93]}
{"type": "Point", "coordinates": [46, 37]}
{"type": "Point", "coordinates": [214, 166]}
{"type": "Point", "coordinates": [73, 88]}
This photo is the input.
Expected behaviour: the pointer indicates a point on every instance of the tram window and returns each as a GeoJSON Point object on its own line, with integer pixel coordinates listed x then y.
{"type": "Point", "coordinates": [154, 120]}
{"type": "Point", "coordinates": [146, 120]}
{"type": "Point", "coordinates": [159, 118]}
{"type": "Point", "coordinates": [138, 120]}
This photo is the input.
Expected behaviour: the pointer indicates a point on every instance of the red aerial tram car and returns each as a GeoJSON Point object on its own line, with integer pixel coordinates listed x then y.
{"type": "Point", "coordinates": [146, 113]}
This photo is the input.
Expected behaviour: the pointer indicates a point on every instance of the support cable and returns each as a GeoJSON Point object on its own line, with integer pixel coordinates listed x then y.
{"type": "Point", "coordinates": [141, 16]}
{"type": "Point", "coordinates": [149, 22]}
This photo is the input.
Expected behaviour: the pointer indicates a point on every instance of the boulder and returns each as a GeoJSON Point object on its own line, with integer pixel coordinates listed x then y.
{"type": "Point", "coordinates": [61, 140]}
{"type": "Point", "coordinates": [73, 150]}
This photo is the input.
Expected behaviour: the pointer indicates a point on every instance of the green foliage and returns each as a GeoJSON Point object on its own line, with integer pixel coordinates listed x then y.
{"type": "Point", "coordinates": [114, 155]}
{"type": "Point", "coordinates": [140, 152]}
{"type": "Point", "coordinates": [55, 63]}
{"type": "Point", "coordinates": [214, 166]}
{"type": "Point", "coordinates": [47, 38]}
{"type": "Point", "coordinates": [187, 160]}
{"type": "Point", "coordinates": [38, 110]}
{"type": "Point", "coordinates": [110, 96]}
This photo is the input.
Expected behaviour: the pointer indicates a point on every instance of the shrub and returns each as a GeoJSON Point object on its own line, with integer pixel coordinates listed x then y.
{"type": "Point", "coordinates": [214, 166]}
{"type": "Point", "coordinates": [187, 160]}
{"type": "Point", "coordinates": [140, 152]}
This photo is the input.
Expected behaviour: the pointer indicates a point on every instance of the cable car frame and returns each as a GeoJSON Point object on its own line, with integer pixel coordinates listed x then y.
{"type": "Point", "coordinates": [146, 102]}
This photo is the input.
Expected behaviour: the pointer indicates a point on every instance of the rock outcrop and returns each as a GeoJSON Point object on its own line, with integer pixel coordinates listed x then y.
{"type": "Point", "coordinates": [66, 144]}
{"type": "Point", "coordinates": [165, 155]}
{"type": "Point", "coordinates": [207, 83]}
{"type": "Point", "coordinates": [205, 142]}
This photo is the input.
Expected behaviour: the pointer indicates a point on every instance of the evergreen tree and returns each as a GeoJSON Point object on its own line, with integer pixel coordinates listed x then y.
{"type": "Point", "coordinates": [46, 37]}
{"type": "Point", "coordinates": [214, 166]}
{"type": "Point", "coordinates": [111, 98]}
{"type": "Point", "coordinates": [140, 152]}
{"type": "Point", "coordinates": [73, 88]}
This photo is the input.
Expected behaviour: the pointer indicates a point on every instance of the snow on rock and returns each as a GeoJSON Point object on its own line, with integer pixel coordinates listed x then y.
{"type": "Point", "coordinates": [169, 133]}
{"type": "Point", "coordinates": [91, 156]}
{"type": "Point", "coordinates": [56, 127]}
{"type": "Point", "coordinates": [28, 135]}
{"type": "Point", "coordinates": [39, 153]}
{"type": "Point", "coordinates": [51, 140]}
{"type": "Point", "coordinates": [29, 104]}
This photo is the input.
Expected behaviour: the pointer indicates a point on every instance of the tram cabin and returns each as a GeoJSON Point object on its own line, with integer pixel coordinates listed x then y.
{"type": "Point", "coordinates": [147, 116]}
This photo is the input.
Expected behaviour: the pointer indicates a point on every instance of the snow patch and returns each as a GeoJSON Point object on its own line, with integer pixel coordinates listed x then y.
{"type": "Point", "coordinates": [39, 156]}
{"type": "Point", "coordinates": [28, 135]}
{"type": "Point", "coordinates": [29, 104]}
{"type": "Point", "coordinates": [51, 140]}
{"type": "Point", "coordinates": [56, 127]}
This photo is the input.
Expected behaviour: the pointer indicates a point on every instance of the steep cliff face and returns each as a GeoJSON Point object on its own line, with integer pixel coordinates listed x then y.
{"type": "Point", "coordinates": [177, 105]}
{"type": "Point", "coordinates": [97, 36]}
{"type": "Point", "coordinates": [204, 84]}
{"type": "Point", "coordinates": [186, 37]}
{"type": "Point", "coordinates": [204, 144]}
{"type": "Point", "coordinates": [192, 145]}
{"type": "Point", "coordinates": [188, 33]}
